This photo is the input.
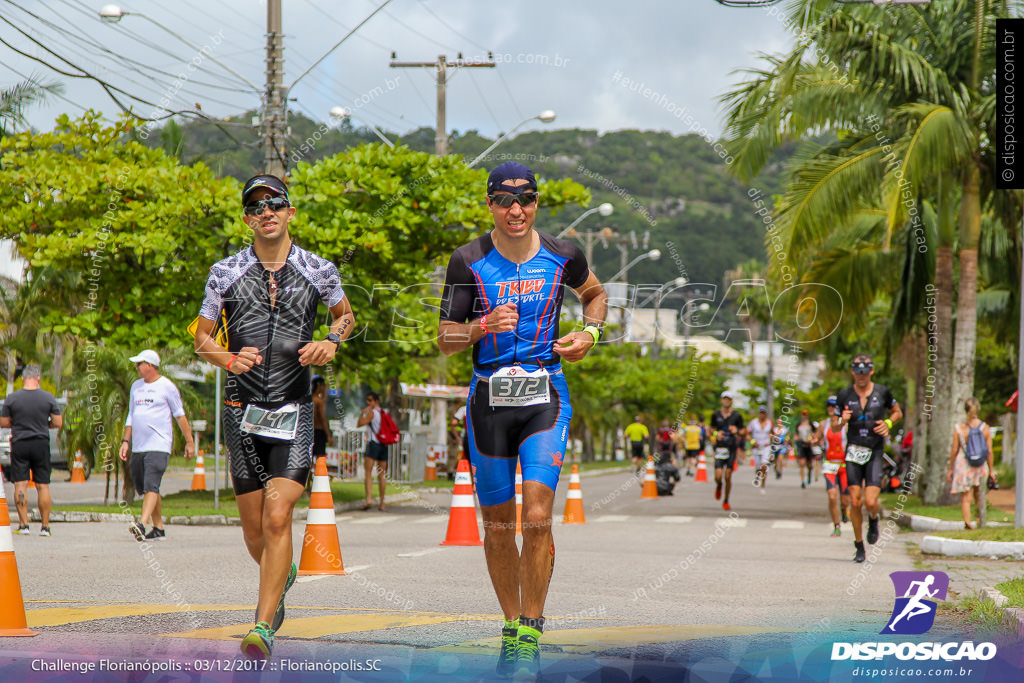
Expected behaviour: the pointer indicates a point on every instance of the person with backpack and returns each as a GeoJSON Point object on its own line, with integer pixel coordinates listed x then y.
{"type": "Point", "coordinates": [970, 459]}
{"type": "Point", "coordinates": [381, 432]}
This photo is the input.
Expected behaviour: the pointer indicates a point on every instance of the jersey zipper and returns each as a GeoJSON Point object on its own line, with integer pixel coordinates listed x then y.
{"type": "Point", "coordinates": [271, 330]}
{"type": "Point", "coordinates": [515, 342]}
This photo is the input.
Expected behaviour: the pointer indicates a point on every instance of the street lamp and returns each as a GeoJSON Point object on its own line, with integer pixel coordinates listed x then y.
{"type": "Point", "coordinates": [605, 210]}
{"type": "Point", "coordinates": [343, 113]}
{"type": "Point", "coordinates": [546, 116]}
{"type": "Point", "coordinates": [653, 254]}
{"type": "Point", "coordinates": [658, 295]}
{"type": "Point", "coordinates": [111, 14]}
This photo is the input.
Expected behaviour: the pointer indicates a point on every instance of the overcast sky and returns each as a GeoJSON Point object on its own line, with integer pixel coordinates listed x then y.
{"type": "Point", "coordinates": [562, 55]}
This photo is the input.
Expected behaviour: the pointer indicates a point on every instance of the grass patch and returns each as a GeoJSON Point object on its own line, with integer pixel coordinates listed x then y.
{"type": "Point", "coordinates": [951, 513]}
{"type": "Point", "coordinates": [182, 503]}
{"type": "Point", "coordinates": [983, 612]}
{"type": "Point", "coordinates": [1013, 590]}
{"type": "Point", "coordinates": [996, 533]}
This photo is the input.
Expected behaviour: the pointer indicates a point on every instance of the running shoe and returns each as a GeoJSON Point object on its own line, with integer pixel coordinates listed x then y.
{"type": "Point", "coordinates": [726, 506]}
{"type": "Point", "coordinates": [44, 531]}
{"type": "Point", "coordinates": [507, 656]}
{"type": "Point", "coordinates": [836, 531]}
{"type": "Point", "coordinates": [138, 531]}
{"type": "Point", "coordinates": [778, 475]}
{"type": "Point", "coordinates": [846, 517]}
{"type": "Point", "coordinates": [860, 556]}
{"type": "Point", "coordinates": [23, 530]}
{"type": "Point", "coordinates": [279, 614]}
{"type": "Point", "coordinates": [718, 491]}
{"type": "Point", "coordinates": [258, 643]}
{"type": "Point", "coordinates": [803, 485]}
{"type": "Point", "coordinates": [527, 651]}
{"type": "Point", "coordinates": [872, 530]}
{"type": "Point", "coordinates": [156, 535]}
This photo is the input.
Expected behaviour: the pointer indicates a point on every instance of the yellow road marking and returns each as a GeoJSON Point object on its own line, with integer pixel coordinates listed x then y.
{"type": "Point", "coordinates": [56, 616]}
{"type": "Point", "coordinates": [318, 627]}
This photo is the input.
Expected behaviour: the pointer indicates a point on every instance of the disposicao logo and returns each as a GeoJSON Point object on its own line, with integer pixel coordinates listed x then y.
{"type": "Point", "coordinates": [917, 594]}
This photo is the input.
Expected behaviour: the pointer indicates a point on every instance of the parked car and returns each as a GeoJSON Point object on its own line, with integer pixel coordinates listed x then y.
{"type": "Point", "coordinates": [58, 459]}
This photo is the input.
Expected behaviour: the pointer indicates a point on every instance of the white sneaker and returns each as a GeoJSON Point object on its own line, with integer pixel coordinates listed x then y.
{"type": "Point", "coordinates": [23, 530]}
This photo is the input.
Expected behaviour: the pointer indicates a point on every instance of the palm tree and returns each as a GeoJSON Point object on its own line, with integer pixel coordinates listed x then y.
{"type": "Point", "coordinates": [909, 92]}
{"type": "Point", "coordinates": [14, 101]}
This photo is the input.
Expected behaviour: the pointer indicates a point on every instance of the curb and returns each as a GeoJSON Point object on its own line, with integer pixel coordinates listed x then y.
{"type": "Point", "coordinates": [923, 523]}
{"type": "Point", "coordinates": [1013, 616]}
{"type": "Point", "coordinates": [960, 547]}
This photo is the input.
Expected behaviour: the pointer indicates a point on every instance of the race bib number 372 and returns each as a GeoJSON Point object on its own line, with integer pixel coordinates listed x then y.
{"type": "Point", "coordinates": [515, 387]}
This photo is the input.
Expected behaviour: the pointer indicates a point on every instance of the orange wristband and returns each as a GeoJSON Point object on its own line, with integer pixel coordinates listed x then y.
{"type": "Point", "coordinates": [232, 360]}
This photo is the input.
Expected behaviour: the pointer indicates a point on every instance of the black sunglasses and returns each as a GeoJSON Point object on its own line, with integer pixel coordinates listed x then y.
{"type": "Point", "coordinates": [862, 368]}
{"type": "Point", "coordinates": [507, 200]}
{"type": "Point", "coordinates": [273, 203]}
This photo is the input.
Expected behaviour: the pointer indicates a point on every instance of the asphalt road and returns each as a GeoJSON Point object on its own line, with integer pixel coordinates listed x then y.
{"type": "Point", "coordinates": [643, 580]}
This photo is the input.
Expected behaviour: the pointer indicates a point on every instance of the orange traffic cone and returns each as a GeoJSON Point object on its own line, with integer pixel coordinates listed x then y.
{"type": "Point", "coordinates": [430, 473]}
{"type": "Point", "coordinates": [12, 609]}
{"type": "Point", "coordinates": [702, 468]}
{"type": "Point", "coordinates": [321, 552]}
{"type": "Point", "coordinates": [574, 500]}
{"type": "Point", "coordinates": [650, 489]}
{"type": "Point", "coordinates": [78, 469]}
{"type": "Point", "coordinates": [462, 529]}
{"type": "Point", "coordinates": [519, 498]}
{"type": "Point", "coordinates": [199, 474]}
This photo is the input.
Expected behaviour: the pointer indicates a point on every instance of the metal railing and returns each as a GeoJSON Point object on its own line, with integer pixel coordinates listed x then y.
{"type": "Point", "coordinates": [345, 458]}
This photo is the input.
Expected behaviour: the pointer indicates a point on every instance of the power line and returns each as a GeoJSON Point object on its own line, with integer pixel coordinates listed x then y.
{"type": "Point", "coordinates": [511, 97]}
{"type": "Point", "coordinates": [332, 19]}
{"type": "Point", "coordinates": [57, 95]}
{"type": "Point", "coordinates": [451, 28]}
{"type": "Point", "coordinates": [484, 100]}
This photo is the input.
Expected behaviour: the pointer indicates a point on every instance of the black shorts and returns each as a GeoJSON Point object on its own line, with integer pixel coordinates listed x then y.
{"type": "Point", "coordinates": [870, 473]}
{"type": "Point", "coordinates": [31, 455]}
{"type": "Point", "coordinates": [804, 451]}
{"type": "Point", "coordinates": [692, 452]}
{"type": "Point", "coordinates": [255, 460]}
{"type": "Point", "coordinates": [147, 468]}
{"type": "Point", "coordinates": [724, 463]}
{"type": "Point", "coordinates": [638, 449]}
{"type": "Point", "coordinates": [319, 442]}
{"type": "Point", "coordinates": [376, 451]}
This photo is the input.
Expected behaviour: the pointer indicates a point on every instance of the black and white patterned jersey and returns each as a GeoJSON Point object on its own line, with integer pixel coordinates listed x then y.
{"type": "Point", "coordinates": [241, 286]}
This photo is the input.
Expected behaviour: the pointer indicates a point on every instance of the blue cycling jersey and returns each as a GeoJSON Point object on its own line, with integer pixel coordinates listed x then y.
{"type": "Point", "coordinates": [479, 279]}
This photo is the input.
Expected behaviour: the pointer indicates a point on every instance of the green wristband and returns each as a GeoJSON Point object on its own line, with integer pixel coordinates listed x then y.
{"type": "Point", "coordinates": [593, 332]}
{"type": "Point", "coordinates": [888, 423]}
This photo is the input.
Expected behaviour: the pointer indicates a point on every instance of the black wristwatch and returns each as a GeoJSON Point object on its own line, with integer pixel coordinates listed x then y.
{"type": "Point", "coordinates": [335, 338]}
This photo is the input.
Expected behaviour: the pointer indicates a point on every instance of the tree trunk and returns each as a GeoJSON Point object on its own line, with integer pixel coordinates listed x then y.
{"type": "Point", "coordinates": [967, 293]}
{"type": "Point", "coordinates": [921, 420]}
{"type": "Point", "coordinates": [933, 486]}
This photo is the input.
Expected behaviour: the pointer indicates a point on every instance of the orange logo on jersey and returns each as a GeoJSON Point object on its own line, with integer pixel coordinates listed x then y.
{"type": "Point", "coordinates": [519, 287]}
{"type": "Point", "coordinates": [556, 459]}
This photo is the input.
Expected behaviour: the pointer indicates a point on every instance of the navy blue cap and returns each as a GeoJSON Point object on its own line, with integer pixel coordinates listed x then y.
{"type": "Point", "coordinates": [270, 182]}
{"type": "Point", "coordinates": [763, 409]}
{"type": "Point", "coordinates": [832, 401]}
{"type": "Point", "coordinates": [513, 177]}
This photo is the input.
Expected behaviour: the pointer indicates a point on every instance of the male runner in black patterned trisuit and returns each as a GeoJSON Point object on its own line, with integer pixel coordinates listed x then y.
{"type": "Point", "coordinates": [270, 293]}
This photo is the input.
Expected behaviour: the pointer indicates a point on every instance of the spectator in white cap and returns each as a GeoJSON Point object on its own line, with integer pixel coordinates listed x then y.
{"type": "Point", "coordinates": [150, 434]}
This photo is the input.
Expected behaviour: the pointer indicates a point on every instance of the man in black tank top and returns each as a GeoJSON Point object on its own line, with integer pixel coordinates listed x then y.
{"type": "Point", "coordinates": [269, 294]}
{"type": "Point", "coordinates": [869, 411]}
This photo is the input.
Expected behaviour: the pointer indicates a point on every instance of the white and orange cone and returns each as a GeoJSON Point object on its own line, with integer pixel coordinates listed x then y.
{"type": "Point", "coordinates": [78, 469]}
{"type": "Point", "coordinates": [199, 474]}
{"type": "Point", "coordinates": [574, 500]}
{"type": "Point", "coordinates": [321, 551]}
{"type": "Point", "coordinates": [702, 468]}
{"type": "Point", "coordinates": [462, 528]}
{"type": "Point", "coordinates": [430, 472]}
{"type": "Point", "coordinates": [519, 498]}
{"type": "Point", "coordinates": [12, 608]}
{"type": "Point", "coordinates": [650, 489]}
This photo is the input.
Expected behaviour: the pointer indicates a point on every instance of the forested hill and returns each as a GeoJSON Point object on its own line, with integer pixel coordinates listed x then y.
{"type": "Point", "coordinates": [675, 188]}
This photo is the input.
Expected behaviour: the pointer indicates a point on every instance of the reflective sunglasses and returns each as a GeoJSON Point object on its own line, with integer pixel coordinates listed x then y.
{"type": "Point", "coordinates": [273, 203]}
{"type": "Point", "coordinates": [862, 368]}
{"type": "Point", "coordinates": [505, 201]}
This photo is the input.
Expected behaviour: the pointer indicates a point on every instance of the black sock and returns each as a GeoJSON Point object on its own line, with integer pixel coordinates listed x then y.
{"type": "Point", "coordinates": [537, 623]}
{"type": "Point", "coordinates": [859, 545]}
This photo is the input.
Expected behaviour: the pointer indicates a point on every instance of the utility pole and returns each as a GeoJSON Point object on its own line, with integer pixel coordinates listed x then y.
{"type": "Point", "coordinates": [273, 121]}
{"type": "Point", "coordinates": [442, 64]}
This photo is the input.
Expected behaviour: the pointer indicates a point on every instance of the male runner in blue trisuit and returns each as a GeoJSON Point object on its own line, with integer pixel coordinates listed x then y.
{"type": "Point", "coordinates": [503, 295]}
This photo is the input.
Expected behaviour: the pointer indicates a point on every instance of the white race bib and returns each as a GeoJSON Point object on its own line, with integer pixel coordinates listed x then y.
{"type": "Point", "coordinates": [281, 423]}
{"type": "Point", "coordinates": [858, 454]}
{"type": "Point", "coordinates": [515, 387]}
{"type": "Point", "coordinates": [829, 467]}
{"type": "Point", "coordinates": [721, 454]}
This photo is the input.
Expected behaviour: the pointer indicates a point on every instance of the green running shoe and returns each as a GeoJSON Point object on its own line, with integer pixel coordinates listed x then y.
{"type": "Point", "coordinates": [258, 643]}
{"type": "Point", "coordinates": [279, 614]}
{"type": "Point", "coordinates": [527, 652]}
{"type": "Point", "coordinates": [507, 657]}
